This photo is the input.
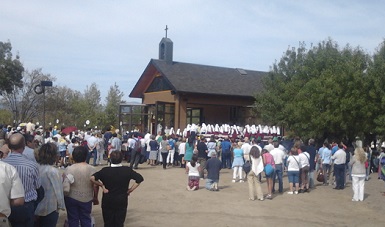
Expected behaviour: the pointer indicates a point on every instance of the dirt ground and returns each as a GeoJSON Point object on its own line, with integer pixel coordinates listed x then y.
{"type": "Point", "coordinates": [162, 200]}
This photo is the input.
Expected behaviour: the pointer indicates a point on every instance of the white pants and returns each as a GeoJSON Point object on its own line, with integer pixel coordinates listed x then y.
{"type": "Point", "coordinates": [237, 172]}
{"type": "Point", "coordinates": [358, 187]}
{"type": "Point", "coordinates": [170, 156]}
{"type": "Point", "coordinates": [160, 159]}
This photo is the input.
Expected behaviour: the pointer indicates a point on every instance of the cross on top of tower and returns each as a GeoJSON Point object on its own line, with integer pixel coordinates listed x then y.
{"type": "Point", "coordinates": [166, 30]}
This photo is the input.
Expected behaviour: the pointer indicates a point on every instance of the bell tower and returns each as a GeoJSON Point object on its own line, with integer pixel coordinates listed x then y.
{"type": "Point", "coordinates": [165, 48]}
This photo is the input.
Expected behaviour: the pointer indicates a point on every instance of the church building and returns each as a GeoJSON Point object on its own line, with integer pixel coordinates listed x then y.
{"type": "Point", "coordinates": [175, 94]}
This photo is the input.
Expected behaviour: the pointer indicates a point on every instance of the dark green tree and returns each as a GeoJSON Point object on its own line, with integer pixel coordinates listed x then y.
{"type": "Point", "coordinates": [376, 91]}
{"type": "Point", "coordinates": [113, 100]}
{"type": "Point", "coordinates": [320, 92]}
{"type": "Point", "coordinates": [11, 69]}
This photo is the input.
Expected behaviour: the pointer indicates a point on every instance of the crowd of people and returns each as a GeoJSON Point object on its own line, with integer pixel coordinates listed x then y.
{"type": "Point", "coordinates": [43, 175]}
{"type": "Point", "coordinates": [51, 170]}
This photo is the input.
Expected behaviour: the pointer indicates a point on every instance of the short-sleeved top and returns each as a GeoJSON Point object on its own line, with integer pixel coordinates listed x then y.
{"type": "Point", "coordinates": [28, 172]}
{"type": "Point", "coordinates": [193, 170]}
{"type": "Point", "coordinates": [326, 156]}
{"type": "Point", "coordinates": [293, 163]}
{"type": "Point", "coordinates": [153, 145]}
{"type": "Point", "coordinates": [213, 166]}
{"type": "Point", "coordinates": [269, 159]}
{"type": "Point", "coordinates": [163, 146]}
{"type": "Point", "coordinates": [10, 187]}
{"type": "Point", "coordinates": [116, 180]}
{"type": "Point", "coordinates": [82, 189]}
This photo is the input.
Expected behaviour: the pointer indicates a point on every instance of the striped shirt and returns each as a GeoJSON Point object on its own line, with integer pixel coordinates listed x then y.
{"type": "Point", "coordinates": [28, 172]}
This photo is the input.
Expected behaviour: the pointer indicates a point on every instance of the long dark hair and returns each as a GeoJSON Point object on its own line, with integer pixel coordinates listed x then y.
{"type": "Point", "coordinates": [194, 160]}
{"type": "Point", "coordinates": [191, 140]}
{"type": "Point", "coordinates": [255, 152]}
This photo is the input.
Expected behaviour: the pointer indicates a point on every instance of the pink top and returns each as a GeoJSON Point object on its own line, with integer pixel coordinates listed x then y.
{"type": "Point", "coordinates": [268, 159]}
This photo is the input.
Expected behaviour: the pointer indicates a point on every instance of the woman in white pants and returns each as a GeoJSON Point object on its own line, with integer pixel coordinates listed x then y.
{"type": "Point", "coordinates": [358, 173]}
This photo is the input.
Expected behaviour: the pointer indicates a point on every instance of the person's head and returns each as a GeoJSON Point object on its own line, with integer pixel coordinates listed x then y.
{"type": "Point", "coordinates": [264, 151]}
{"type": "Point", "coordinates": [5, 149]}
{"type": "Point", "coordinates": [80, 154]}
{"type": "Point", "coordinates": [114, 135]}
{"type": "Point", "coordinates": [73, 140]}
{"type": "Point", "coordinates": [294, 151]}
{"type": "Point", "coordinates": [152, 137]}
{"type": "Point", "coordinates": [360, 155]}
{"type": "Point", "coordinates": [276, 144]}
{"type": "Point", "coordinates": [30, 141]}
{"type": "Point", "coordinates": [116, 157]}
{"type": "Point", "coordinates": [255, 152]}
{"type": "Point", "coordinates": [340, 145]}
{"type": "Point", "coordinates": [164, 137]}
{"type": "Point", "coordinates": [214, 154]}
{"type": "Point", "coordinates": [239, 144]}
{"type": "Point", "coordinates": [47, 154]}
{"type": "Point", "coordinates": [311, 142]}
{"type": "Point", "coordinates": [17, 142]}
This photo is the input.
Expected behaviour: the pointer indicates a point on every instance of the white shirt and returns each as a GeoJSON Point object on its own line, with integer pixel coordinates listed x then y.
{"type": "Point", "coordinates": [293, 163]}
{"type": "Point", "coordinates": [193, 171]}
{"type": "Point", "coordinates": [278, 155]}
{"type": "Point", "coordinates": [269, 147]}
{"type": "Point", "coordinates": [339, 157]}
{"type": "Point", "coordinates": [10, 187]}
{"type": "Point", "coordinates": [304, 159]}
{"type": "Point", "coordinates": [92, 142]}
{"type": "Point", "coordinates": [182, 148]}
{"type": "Point", "coordinates": [246, 150]}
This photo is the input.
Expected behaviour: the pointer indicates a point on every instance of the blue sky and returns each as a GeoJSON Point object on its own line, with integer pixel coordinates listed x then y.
{"type": "Point", "coordinates": [80, 42]}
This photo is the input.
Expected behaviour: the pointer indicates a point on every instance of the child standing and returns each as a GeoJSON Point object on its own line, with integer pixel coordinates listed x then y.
{"type": "Point", "coordinates": [193, 169]}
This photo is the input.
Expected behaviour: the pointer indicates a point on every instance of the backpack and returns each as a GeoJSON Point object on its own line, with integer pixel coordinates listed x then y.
{"type": "Point", "coordinates": [138, 146]}
{"type": "Point", "coordinates": [171, 143]}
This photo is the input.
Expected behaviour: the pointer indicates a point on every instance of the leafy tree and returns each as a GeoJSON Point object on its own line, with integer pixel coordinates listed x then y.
{"type": "Point", "coordinates": [376, 93]}
{"type": "Point", "coordinates": [23, 102]}
{"type": "Point", "coordinates": [319, 92]}
{"type": "Point", "coordinates": [113, 99]}
{"type": "Point", "coordinates": [11, 69]}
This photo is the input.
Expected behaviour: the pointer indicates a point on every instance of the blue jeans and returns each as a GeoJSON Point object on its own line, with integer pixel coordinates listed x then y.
{"type": "Point", "coordinates": [92, 153]}
{"type": "Point", "coordinates": [293, 177]}
{"type": "Point", "coordinates": [339, 171]}
{"type": "Point", "coordinates": [210, 182]}
{"type": "Point", "coordinates": [278, 174]}
{"type": "Point", "coordinates": [50, 220]}
{"type": "Point", "coordinates": [226, 160]}
{"type": "Point", "coordinates": [78, 212]}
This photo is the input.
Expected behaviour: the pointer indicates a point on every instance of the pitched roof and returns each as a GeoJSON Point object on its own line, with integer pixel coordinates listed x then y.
{"type": "Point", "coordinates": [204, 79]}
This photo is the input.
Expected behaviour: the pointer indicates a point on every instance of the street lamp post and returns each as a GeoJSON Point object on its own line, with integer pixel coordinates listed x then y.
{"type": "Point", "coordinates": [40, 89]}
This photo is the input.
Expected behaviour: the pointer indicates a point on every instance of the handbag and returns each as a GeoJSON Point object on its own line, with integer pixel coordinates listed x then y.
{"type": "Point", "coordinates": [268, 169]}
{"type": "Point", "coordinates": [246, 167]}
{"type": "Point", "coordinates": [320, 177]}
